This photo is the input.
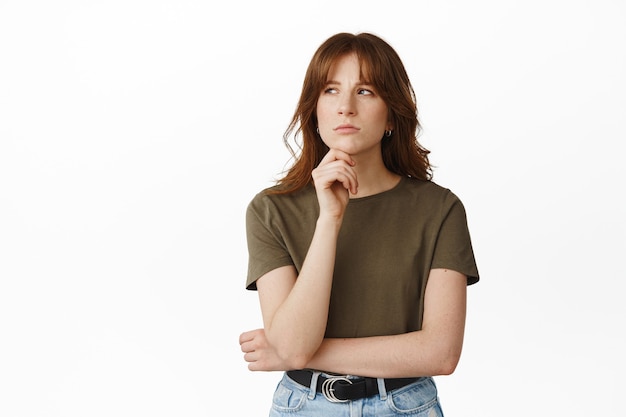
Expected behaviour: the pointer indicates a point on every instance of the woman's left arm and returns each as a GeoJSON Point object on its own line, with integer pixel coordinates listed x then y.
{"type": "Point", "coordinates": [433, 350]}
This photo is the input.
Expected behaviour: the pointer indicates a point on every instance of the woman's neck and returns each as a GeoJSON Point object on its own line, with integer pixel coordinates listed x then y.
{"type": "Point", "coordinates": [374, 180]}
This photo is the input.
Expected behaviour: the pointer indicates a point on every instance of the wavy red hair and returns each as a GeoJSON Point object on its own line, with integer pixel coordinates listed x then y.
{"type": "Point", "coordinates": [381, 66]}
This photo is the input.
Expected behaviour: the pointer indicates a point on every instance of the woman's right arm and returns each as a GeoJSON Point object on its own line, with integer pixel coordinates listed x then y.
{"type": "Point", "coordinates": [295, 311]}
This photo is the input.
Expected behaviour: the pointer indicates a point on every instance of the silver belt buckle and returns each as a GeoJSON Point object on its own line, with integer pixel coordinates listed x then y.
{"type": "Point", "coordinates": [329, 391]}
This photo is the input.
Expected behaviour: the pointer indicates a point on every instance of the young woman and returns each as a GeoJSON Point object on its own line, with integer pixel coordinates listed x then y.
{"type": "Point", "coordinates": [361, 262]}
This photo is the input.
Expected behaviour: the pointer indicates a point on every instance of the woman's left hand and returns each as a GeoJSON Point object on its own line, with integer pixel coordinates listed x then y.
{"type": "Point", "coordinates": [259, 354]}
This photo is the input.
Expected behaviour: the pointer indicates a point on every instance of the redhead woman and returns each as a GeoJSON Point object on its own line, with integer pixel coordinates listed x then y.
{"type": "Point", "coordinates": [361, 262]}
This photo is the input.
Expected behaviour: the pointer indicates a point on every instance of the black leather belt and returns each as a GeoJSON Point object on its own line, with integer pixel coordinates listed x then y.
{"type": "Point", "coordinates": [341, 388]}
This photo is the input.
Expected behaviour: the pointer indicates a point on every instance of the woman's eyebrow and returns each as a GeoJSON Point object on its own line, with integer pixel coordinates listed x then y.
{"type": "Point", "coordinates": [359, 82]}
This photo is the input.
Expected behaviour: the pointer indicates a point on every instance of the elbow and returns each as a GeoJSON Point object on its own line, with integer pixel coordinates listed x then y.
{"type": "Point", "coordinates": [447, 367]}
{"type": "Point", "coordinates": [444, 356]}
{"type": "Point", "coordinates": [444, 353]}
{"type": "Point", "coordinates": [294, 360]}
{"type": "Point", "coordinates": [447, 363]}
{"type": "Point", "coordinates": [293, 352]}
{"type": "Point", "coordinates": [298, 362]}
{"type": "Point", "coordinates": [293, 357]}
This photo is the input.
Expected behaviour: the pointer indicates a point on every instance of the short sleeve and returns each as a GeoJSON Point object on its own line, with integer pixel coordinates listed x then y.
{"type": "Point", "coordinates": [453, 249]}
{"type": "Point", "coordinates": [266, 247]}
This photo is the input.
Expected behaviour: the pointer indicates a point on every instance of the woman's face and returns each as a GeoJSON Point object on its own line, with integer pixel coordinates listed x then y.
{"type": "Point", "coordinates": [351, 115]}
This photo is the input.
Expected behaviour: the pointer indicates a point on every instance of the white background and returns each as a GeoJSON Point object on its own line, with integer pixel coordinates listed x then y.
{"type": "Point", "coordinates": [134, 133]}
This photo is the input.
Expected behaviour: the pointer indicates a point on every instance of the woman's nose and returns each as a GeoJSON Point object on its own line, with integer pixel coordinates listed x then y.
{"type": "Point", "coordinates": [347, 105]}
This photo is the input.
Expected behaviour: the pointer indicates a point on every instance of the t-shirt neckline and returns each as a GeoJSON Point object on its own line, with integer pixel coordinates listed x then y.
{"type": "Point", "coordinates": [378, 195]}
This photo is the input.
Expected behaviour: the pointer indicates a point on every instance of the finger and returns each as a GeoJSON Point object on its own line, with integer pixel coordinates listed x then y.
{"type": "Point", "coordinates": [331, 169]}
{"type": "Point", "coordinates": [250, 357]}
{"type": "Point", "coordinates": [338, 171]}
{"type": "Point", "coordinates": [258, 364]}
{"type": "Point", "coordinates": [247, 336]}
{"type": "Point", "coordinates": [348, 181]}
{"type": "Point", "coordinates": [244, 337]}
{"type": "Point", "coordinates": [351, 182]}
{"type": "Point", "coordinates": [337, 155]}
{"type": "Point", "coordinates": [246, 347]}
{"type": "Point", "coordinates": [250, 346]}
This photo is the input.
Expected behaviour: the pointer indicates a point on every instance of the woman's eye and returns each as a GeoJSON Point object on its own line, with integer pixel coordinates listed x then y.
{"type": "Point", "coordinates": [364, 92]}
{"type": "Point", "coordinates": [330, 90]}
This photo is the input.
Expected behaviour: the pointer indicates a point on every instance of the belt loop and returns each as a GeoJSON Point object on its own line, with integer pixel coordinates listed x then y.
{"type": "Point", "coordinates": [313, 386]}
{"type": "Point", "coordinates": [382, 390]}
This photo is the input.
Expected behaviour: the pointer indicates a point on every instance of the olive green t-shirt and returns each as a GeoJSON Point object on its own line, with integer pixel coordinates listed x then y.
{"type": "Point", "coordinates": [386, 247]}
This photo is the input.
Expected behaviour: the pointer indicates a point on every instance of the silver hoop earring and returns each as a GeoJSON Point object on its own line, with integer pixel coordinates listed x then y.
{"type": "Point", "coordinates": [388, 133]}
{"type": "Point", "coordinates": [317, 129]}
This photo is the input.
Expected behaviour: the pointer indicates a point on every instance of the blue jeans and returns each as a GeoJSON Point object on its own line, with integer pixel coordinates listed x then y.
{"type": "Point", "coordinates": [418, 399]}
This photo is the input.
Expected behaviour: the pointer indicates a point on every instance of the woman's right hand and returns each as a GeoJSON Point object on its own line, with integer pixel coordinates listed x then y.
{"type": "Point", "coordinates": [334, 179]}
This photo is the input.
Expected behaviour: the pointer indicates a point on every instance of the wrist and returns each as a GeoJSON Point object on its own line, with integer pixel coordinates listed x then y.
{"type": "Point", "coordinates": [329, 222]}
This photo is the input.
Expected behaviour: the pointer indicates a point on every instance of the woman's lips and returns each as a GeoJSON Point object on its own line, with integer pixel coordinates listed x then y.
{"type": "Point", "coordinates": [346, 128]}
